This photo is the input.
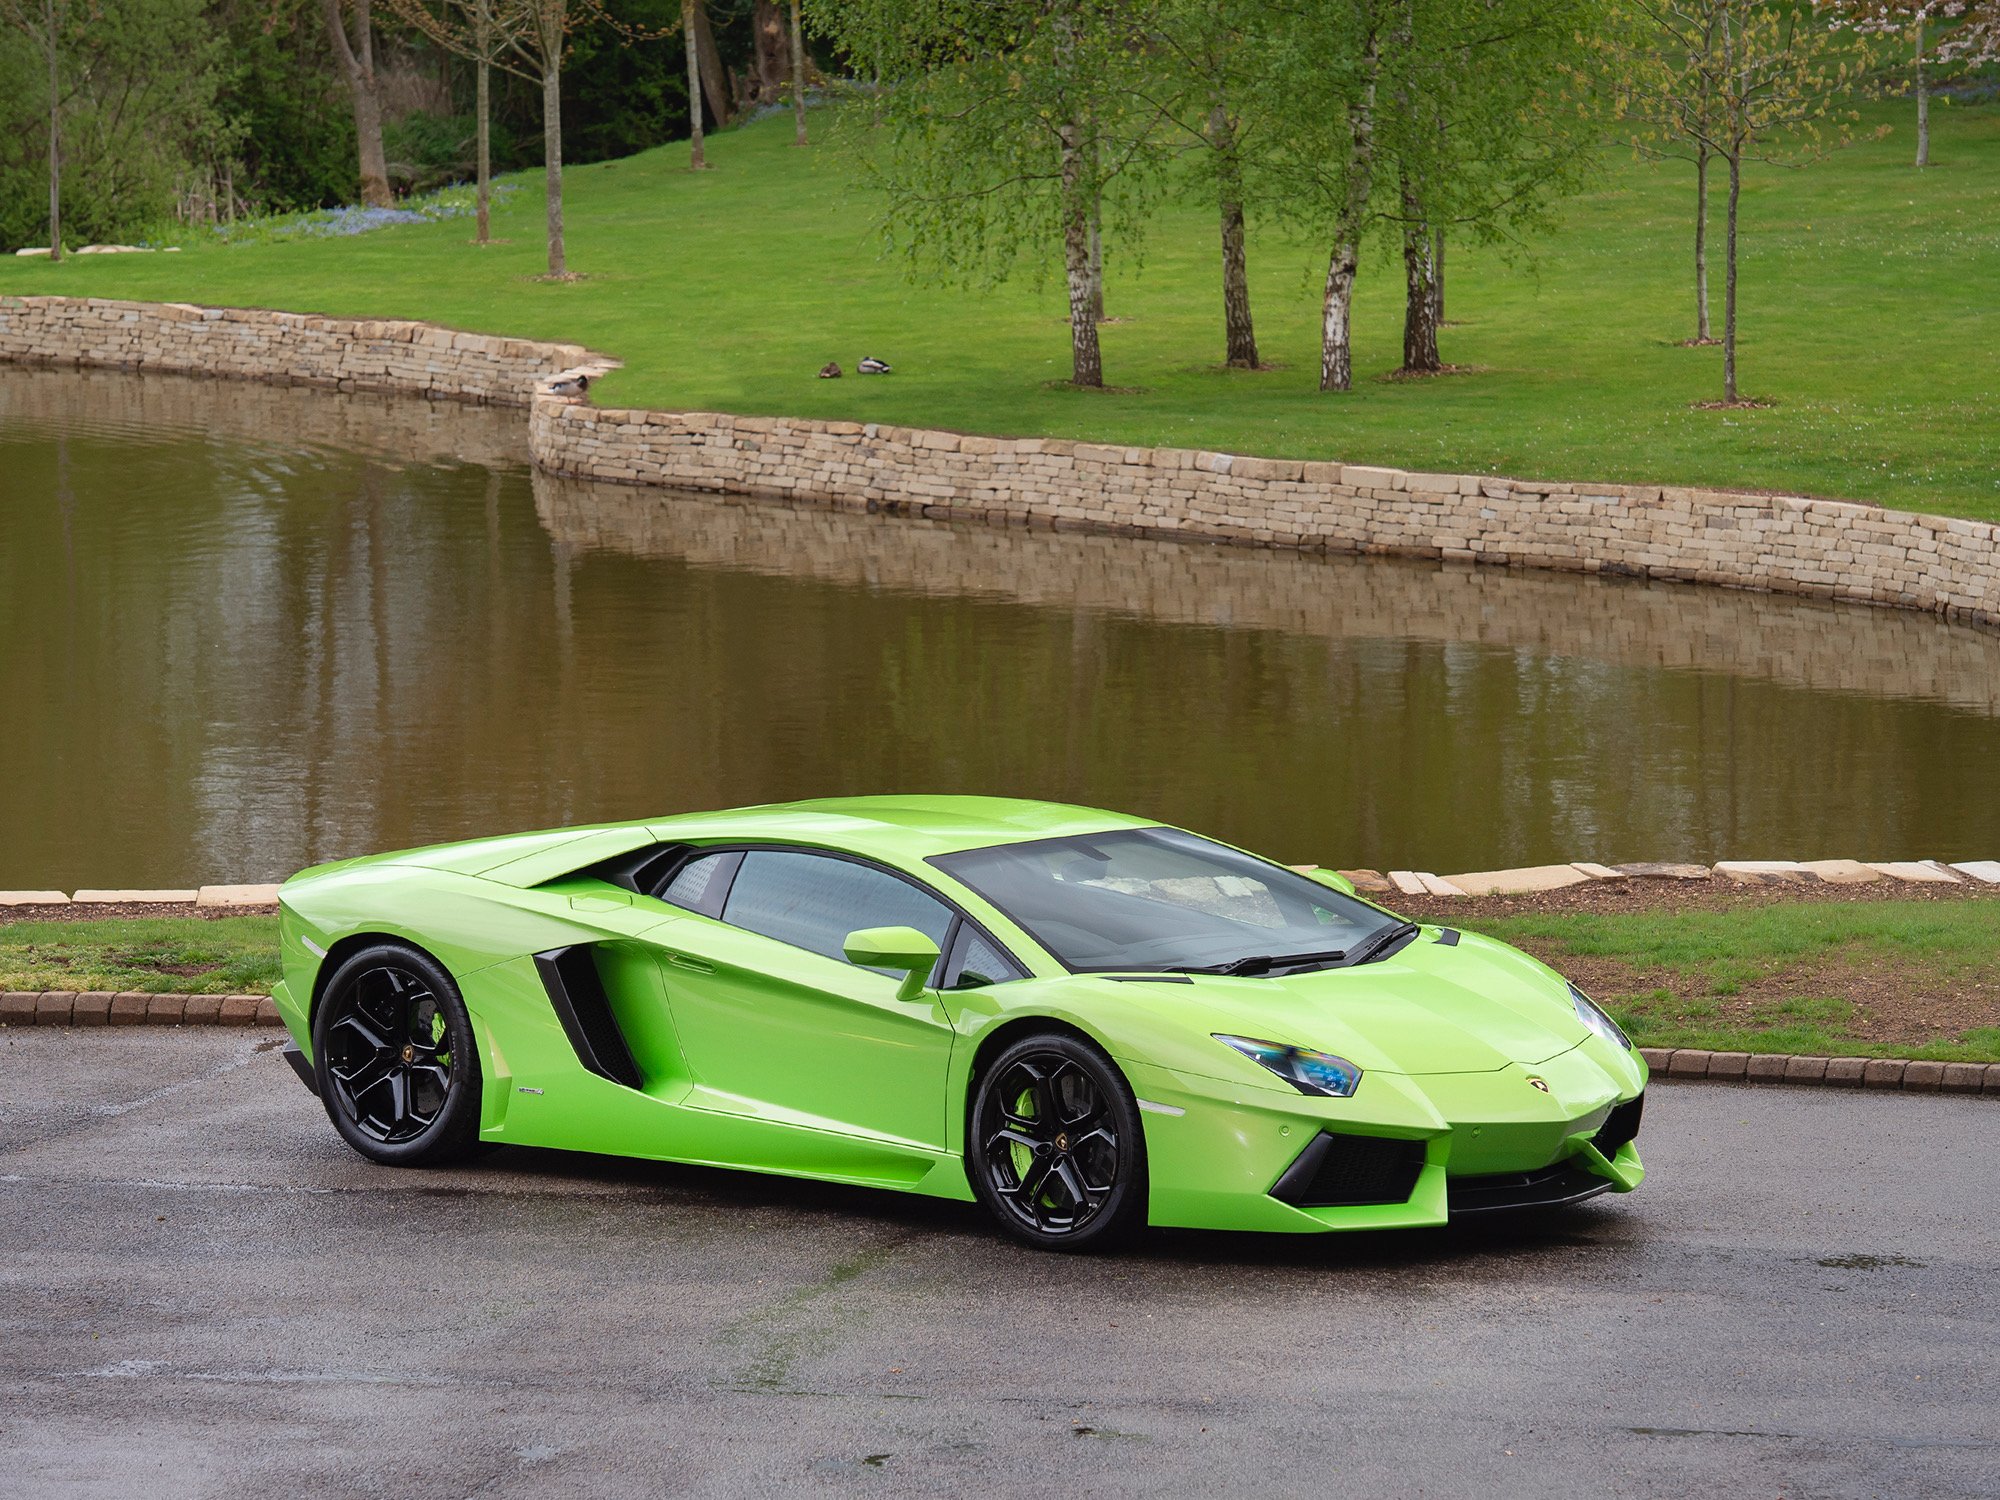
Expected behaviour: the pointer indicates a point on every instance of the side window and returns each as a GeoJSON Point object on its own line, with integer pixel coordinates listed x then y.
{"type": "Point", "coordinates": [974, 962]}
{"type": "Point", "coordinates": [700, 883]}
{"type": "Point", "coordinates": [813, 901]}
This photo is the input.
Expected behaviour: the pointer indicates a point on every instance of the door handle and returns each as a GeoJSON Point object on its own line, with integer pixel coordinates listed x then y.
{"type": "Point", "coordinates": [694, 965]}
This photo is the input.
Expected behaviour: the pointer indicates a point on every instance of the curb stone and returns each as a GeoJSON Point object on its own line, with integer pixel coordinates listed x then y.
{"type": "Point", "coordinates": [133, 1008]}
{"type": "Point", "coordinates": [1910, 1075]}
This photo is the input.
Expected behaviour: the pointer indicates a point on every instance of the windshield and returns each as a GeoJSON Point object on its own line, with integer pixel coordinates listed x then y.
{"type": "Point", "coordinates": [1160, 899]}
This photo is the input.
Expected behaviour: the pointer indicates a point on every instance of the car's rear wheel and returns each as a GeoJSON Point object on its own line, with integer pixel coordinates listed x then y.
{"type": "Point", "coordinates": [1056, 1153]}
{"type": "Point", "coordinates": [393, 1050]}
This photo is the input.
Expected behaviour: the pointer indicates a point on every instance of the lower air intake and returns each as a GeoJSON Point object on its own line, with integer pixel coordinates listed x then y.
{"type": "Point", "coordinates": [1351, 1171]}
{"type": "Point", "coordinates": [1619, 1127]}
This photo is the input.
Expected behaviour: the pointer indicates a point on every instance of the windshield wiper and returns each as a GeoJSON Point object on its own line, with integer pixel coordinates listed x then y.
{"type": "Point", "coordinates": [1371, 947]}
{"type": "Point", "coordinates": [1261, 963]}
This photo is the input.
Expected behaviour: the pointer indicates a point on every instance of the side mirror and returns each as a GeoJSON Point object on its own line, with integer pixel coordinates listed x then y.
{"type": "Point", "coordinates": [1333, 878]}
{"type": "Point", "coordinates": [903, 949]}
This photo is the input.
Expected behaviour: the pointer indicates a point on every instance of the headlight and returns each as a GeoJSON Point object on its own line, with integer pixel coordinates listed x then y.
{"type": "Point", "coordinates": [1309, 1072]}
{"type": "Point", "coordinates": [1588, 1013]}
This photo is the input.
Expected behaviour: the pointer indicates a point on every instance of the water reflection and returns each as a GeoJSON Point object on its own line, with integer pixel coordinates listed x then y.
{"type": "Point", "coordinates": [244, 628]}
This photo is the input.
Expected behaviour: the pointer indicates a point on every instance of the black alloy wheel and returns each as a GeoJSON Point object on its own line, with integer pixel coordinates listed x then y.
{"type": "Point", "coordinates": [1056, 1152]}
{"type": "Point", "coordinates": [394, 1053]}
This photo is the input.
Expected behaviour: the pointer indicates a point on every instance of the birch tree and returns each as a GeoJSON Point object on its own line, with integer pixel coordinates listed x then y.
{"type": "Point", "coordinates": [1492, 128]}
{"type": "Point", "coordinates": [1006, 126]}
{"type": "Point", "coordinates": [1211, 51]}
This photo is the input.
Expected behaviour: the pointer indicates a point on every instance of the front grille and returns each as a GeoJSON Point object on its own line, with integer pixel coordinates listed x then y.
{"type": "Point", "coordinates": [1350, 1171]}
{"type": "Point", "coordinates": [1619, 1127]}
{"type": "Point", "coordinates": [1564, 1182]}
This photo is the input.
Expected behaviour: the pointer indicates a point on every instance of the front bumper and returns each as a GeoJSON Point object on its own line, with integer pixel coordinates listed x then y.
{"type": "Point", "coordinates": [1403, 1153]}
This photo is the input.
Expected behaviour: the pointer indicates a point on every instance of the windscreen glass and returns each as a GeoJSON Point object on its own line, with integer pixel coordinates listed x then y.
{"type": "Point", "coordinates": [1157, 898]}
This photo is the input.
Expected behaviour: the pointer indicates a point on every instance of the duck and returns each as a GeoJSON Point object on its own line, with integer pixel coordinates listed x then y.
{"type": "Point", "coordinates": [569, 385]}
{"type": "Point", "coordinates": [830, 370]}
{"type": "Point", "coordinates": [873, 366]}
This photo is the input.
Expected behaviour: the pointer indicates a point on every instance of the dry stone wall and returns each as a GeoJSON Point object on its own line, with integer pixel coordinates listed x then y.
{"type": "Point", "coordinates": [348, 354]}
{"type": "Point", "coordinates": [1827, 549]}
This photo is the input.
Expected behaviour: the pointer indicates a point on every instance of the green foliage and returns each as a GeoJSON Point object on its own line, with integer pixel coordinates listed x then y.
{"type": "Point", "coordinates": [294, 132]}
{"type": "Point", "coordinates": [140, 118]}
{"type": "Point", "coordinates": [1003, 116]}
{"type": "Point", "coordinates": [160, 955]}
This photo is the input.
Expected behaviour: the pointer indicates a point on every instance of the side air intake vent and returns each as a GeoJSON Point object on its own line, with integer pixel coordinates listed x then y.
{"type": "Point", "coordinates": [577, 993]}
{"type": "Point", "coordinates": [1348, 1171]}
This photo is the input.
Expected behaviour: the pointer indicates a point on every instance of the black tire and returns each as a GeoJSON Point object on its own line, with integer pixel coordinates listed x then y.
{"type": "Point", "coordinates": [1054, 1147]}
{"type": "Point", "coordinates": [394, 1054]}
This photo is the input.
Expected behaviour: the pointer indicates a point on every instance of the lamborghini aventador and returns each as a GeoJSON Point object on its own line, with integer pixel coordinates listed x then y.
{"type": "Point", "coordinates": [1084, 1021]}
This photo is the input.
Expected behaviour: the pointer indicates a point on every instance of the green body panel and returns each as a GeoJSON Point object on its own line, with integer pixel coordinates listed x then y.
{"type": "Point", "coordinates": [757, 1054]}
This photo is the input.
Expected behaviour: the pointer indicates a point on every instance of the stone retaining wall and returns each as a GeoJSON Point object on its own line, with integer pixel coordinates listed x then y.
{"type": "Point", "coordinates": [414, 359]}
{"type": "Point", "coordinates": [1828, 549]}
{"type": "Point", "coordinates": [1824, 548]}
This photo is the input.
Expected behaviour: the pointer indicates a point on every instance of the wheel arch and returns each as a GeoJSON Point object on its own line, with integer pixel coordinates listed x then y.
{"type": "Point", "coordinates": [338, 952]}
{"type": "Point", "coordinates": [1003, 1036]}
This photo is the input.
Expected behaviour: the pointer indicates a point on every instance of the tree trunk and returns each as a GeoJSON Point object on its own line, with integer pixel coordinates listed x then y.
{"type": "Point", "coordinates": [1701, 325]}
{"type": "Point", "coordinates": [484, 196]}
{"type": "Point", "coordinates": [552, 156]}
{"type": "Point", "coordinates": [798, 79]}
{"type": "Point", "coordinates": [1336, 355]}
{"type": "Point", "coordinates": [1729, 281]}
{"type": "Point", "coordinates": [771, 52]}
{"type": "Point", "coordinates": [357, 66]}
{"type": "Point", "coordinates": [55, 133]}
{"type": "Point", "coordinates": [714, 77]}
{"type": "Point", "coordinates": [1420, 334]}
{"type": "Point", "coordinates": [1923, 101]}
{"type": "Point", "coordinates": [1086, 361]}
{"type": "Point", "coordinates": [1239, 335]}
{"type": "Point", "coordinates": [1097, 259]}
{"type": "Point", "coordinates": [697, 159]}
{"type": "Point", "coordinates": [1437, 277]}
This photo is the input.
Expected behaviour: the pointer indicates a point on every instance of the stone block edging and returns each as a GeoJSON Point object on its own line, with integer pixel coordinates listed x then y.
{"type": "Point", "coordinates": [1910, 1075]}
{"type": "Point", "coordinates": [1778, 543]}
{"type": "Point", "coordinates": [133, 1008]}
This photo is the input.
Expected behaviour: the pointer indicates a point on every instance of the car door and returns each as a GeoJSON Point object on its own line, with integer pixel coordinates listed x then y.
{"type": "Point", "coordinates": [774, 1022]}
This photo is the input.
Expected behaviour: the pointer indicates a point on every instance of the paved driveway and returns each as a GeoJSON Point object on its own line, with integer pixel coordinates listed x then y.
{"type": "Point", "coordinates": [205, 1292]}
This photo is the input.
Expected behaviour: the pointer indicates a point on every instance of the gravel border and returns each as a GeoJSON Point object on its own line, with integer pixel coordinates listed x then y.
{"type": "Point", "coordinates": [1675, 1064]}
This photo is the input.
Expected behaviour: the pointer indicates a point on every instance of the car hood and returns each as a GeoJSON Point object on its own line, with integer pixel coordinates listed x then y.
{"type": "Point", "coordinates": [1474, 1006]}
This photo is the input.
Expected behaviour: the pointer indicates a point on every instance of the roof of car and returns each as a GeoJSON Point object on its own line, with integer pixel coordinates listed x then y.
{"type": "Point", "coordinates": [916, 826]}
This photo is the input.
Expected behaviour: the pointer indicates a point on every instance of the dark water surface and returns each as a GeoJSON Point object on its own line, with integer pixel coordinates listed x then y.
{"type": "Point", "coordinates": [243, 629]}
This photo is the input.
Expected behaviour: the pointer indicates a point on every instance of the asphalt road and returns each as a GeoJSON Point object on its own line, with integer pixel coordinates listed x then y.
{"type": "Point", "coordinates": [202, 1291]}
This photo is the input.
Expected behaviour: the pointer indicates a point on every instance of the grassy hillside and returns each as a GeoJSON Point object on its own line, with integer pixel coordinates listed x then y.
{"type": "Point", "coordinates": [1871, 296]}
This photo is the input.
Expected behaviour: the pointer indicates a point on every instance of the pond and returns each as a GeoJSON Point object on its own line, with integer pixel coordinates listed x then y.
{"type": "Point", "coordinates": [243, 629]}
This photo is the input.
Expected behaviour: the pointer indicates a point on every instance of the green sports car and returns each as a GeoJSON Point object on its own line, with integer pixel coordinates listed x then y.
{"type": "Point", "coordinates": [1085, 1021]}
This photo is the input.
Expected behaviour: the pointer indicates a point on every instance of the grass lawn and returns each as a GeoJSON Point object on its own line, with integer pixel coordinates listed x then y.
{"type": "Point", "coordinates": [1853, 979]}
{"type": "Point", "coordinates": [1875, 979]}
{"type": "Point", "coordinates": [1871, 318]}
{"type": "Point", "coordinates": [161, 955]}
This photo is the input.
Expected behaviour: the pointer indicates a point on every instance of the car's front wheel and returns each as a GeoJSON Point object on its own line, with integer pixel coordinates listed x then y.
{"type": "Point", "coordinates": [393, 1050]}
{"type": "Point", "coordinates": [1056, 1153]}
